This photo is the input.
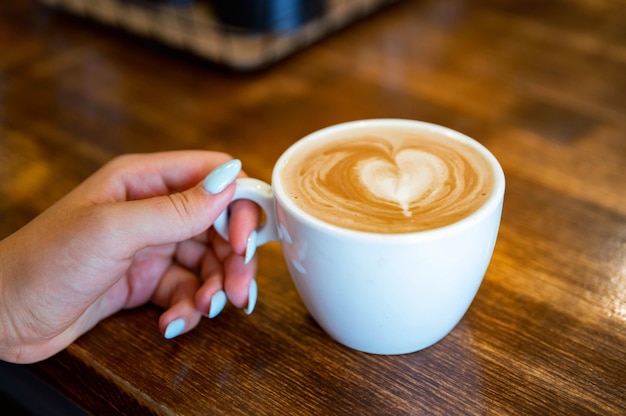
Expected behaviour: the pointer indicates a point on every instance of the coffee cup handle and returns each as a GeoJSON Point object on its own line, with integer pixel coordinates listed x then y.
{"type": "Point", "coordinates": [261, 193]}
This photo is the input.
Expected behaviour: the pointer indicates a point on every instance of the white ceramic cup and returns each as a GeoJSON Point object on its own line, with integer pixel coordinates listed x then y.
{"type": "Point", "coordinates": [379, 293]}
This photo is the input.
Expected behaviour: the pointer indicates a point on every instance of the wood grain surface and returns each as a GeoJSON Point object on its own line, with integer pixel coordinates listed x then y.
{"type": "Point", "coordinates": [541, 83]}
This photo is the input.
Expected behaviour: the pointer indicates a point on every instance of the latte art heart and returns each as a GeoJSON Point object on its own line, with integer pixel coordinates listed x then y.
{"type": "Point", "coordinates": [390, 180]}
{"type": "Point", "coordinates": [410, 176]}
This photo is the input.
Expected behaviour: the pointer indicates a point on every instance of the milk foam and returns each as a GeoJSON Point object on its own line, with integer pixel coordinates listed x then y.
{"type": "Point", "coordinates": [412, 175]}
{"type": "Point", "coordinates": [390, 180]}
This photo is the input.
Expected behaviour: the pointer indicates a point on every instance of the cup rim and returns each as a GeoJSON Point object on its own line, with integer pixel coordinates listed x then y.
{"type": "Point", "coordinates": [492, 203]}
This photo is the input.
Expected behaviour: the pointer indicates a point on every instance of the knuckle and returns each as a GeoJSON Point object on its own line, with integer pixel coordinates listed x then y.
{"type": "Point", "coordinates": [183, 206]}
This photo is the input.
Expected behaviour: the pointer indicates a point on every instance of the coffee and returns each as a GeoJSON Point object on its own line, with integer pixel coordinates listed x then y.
{"type": "Point", "coordinates": [388, 179]}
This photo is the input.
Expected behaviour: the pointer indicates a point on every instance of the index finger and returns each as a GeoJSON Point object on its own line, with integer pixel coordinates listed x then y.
{"type": "Point", "coordinates": [245, 217]}
{"type": "Point", "coordinates": [140, 176]}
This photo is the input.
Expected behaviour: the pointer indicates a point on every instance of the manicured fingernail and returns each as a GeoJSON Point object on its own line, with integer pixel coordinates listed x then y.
{"type": "Point", "coordinates": [174, 328]}
{"type": "Point", "coordinates": [250, 247]}
{"type": "Point", "coordinates": [218, 301]}
{"type": "Point", "coordinates": [222, 176]}
{"type": "Point", "coordinates": [252, 295]}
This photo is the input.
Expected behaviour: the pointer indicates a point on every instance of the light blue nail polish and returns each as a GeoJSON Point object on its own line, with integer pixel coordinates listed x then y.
{"type": "Point", "coordinates": [174, 328]}
{"type": "Point", "coordinates": [250, 247]}
{"type": "Point", "coordinates": [252, 295]}
{"type": "Point", "coordinates": [218, 301]}
{"type": "Point", "coordinates": [222, 176]}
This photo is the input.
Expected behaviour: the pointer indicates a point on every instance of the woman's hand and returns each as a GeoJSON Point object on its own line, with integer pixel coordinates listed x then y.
{"type": "Point", "coordinates": [136, 231]}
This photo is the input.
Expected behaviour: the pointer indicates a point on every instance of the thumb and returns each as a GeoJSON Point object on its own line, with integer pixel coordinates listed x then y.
{"type": "Point", "coordinates": [177, 217]}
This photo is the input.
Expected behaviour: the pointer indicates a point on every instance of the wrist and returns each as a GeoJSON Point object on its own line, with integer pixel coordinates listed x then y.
{"type": "Point", "coordinates": [13, 347]}
{"type": "Point", "coordinates": [8, 335]}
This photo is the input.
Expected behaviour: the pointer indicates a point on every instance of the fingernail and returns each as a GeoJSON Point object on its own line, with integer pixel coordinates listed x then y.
{"type": "Point", "coordinates": [174, 328]}
{"type": "Point", "coordinates": [222, 176]}
{"type": "Point", "coordinates": [218, 301]}
{"type": "Point", "coordinates": [250, 247]}
{"type": "Point", "coordinates": [252, 295]}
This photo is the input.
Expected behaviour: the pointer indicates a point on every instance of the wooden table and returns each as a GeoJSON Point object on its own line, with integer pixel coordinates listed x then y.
{"type": "Point", "coordinates": [541, 84]}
